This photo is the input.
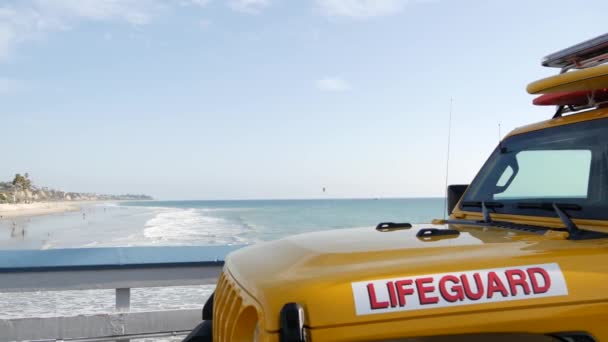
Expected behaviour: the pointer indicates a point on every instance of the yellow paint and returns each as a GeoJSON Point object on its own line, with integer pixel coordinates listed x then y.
{"type": "Point", "coordinates": [316, 270]}
{"type": "Point", "coordinates": [584, 79]}
{"type": "Point", "coordinates": [561, 121]}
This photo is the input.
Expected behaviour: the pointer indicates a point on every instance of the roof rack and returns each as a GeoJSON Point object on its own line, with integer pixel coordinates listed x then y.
{"type": "Point", "coordinates": [570, 109]}
{"type": "Point", "coordinates": [589, 53]}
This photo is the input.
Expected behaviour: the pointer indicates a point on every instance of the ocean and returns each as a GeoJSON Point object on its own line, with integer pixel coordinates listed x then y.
{"type": "Point", "coordinates": [175, 223]}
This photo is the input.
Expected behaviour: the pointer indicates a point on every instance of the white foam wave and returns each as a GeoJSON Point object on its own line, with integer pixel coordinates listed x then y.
{"type": "Point", "coordinates": [190, 226]}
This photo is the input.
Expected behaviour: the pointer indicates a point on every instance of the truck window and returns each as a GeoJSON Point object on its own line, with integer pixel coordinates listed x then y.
{"type": "Point", "coordinates": [548, 174]}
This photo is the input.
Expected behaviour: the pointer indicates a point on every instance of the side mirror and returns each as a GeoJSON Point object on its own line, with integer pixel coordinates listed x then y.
{"type": "Point", "coordinates": [455, 193]}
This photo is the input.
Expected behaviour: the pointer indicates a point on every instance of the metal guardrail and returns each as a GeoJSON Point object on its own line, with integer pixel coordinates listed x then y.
{"type": "Point", "coordinates": [107, 268]}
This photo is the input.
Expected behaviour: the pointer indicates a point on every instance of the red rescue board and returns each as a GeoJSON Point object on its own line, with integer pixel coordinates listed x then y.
{"type": "Point", "coordinates": [458, 288]}
{"type": "Point", "coordinates": [572, 98]}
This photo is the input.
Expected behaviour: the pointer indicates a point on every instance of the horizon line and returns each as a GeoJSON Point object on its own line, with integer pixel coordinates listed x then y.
{"type": "Point", "coordinates": [298, 199]}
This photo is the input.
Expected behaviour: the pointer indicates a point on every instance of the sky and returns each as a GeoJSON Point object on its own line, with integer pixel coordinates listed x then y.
{"type": "Point", "coordinates": [254, 99]}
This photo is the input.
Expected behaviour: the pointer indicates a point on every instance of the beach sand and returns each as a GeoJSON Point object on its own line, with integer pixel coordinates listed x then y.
{"type": "Point", "coordinates": [39, 208]}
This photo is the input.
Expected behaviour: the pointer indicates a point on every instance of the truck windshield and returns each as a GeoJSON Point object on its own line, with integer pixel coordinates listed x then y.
{"type": "Point", "coordinates": [566, 164]}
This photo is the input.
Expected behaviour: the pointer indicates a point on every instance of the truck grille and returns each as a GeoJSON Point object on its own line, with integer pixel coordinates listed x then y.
{"type": "Point", "coordinates": [227, 306]}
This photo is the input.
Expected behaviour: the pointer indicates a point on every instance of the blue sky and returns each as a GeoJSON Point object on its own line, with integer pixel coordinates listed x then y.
{"type": "Point", "coordinates": [214, 99]}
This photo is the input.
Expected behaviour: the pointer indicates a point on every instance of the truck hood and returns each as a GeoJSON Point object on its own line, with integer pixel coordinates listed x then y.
{"type": "Point", "coordinates": [329, 273]}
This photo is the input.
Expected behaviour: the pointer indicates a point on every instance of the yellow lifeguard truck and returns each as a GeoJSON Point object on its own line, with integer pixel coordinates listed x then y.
{"type": "Point", "coordinates": [523, 255]}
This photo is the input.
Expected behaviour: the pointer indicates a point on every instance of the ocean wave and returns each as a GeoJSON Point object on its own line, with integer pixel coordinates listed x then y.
{"type": "Point", "coordinates": [227, 209]}
{"type": "Point", "coordinates": [191, 226]}
{"type": "Point", "coordinates": [143, 207]}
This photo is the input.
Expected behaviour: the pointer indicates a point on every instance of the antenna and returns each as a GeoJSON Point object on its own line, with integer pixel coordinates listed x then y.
{"type": "Point", "coordinates": [447, 162]}
{"type": "Point", "coordinates": [499, 133]}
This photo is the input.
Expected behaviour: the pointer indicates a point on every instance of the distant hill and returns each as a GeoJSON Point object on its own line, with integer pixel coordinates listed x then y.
{"type": "Point", "coordinates": [22, 190]}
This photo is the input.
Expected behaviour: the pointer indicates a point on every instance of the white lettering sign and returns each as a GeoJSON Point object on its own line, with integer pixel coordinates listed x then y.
{"type": "Point", "coordinates": [459, 288]}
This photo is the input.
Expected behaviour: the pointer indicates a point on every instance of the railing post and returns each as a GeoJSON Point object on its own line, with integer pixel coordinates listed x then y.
{"type": "Point", "coordinates": [123, 300]}
{"type": "Point", "coordinates": [123, 304]}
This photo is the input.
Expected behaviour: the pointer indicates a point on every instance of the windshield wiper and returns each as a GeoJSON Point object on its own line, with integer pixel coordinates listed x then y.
{"type": "Point", "coordinates": [574, 232]}
{"type": "Point", "coordinates": [484, 208]}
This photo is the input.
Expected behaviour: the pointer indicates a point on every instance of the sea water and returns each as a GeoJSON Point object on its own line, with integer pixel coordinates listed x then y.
{"type": "Point", "coordinates": [178, 223]}
{"type": "Point", "coordinates": [235, 222]}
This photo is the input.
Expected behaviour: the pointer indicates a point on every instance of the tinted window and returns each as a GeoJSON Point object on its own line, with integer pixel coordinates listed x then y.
{"type": "Point", "coordinates": [535, 179]}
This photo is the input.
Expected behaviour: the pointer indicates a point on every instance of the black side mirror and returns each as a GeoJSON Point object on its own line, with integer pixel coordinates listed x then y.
{"type": "Point", "coordinates": [455, 193]}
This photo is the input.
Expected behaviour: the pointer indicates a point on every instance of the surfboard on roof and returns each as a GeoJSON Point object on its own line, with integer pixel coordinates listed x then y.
{"type": "Point", "coordinates": [579, 80]}
{"type": "Point", "coordinates": [572, 98]}
{"type": "Point", "coordinates": [583, 79]}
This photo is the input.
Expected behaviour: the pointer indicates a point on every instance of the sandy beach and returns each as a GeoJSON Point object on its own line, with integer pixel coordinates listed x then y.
{"type": "Point", "coordinates": [39, 208]}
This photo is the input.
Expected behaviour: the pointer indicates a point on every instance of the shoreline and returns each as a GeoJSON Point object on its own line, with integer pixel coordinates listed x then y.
{"type": "Point", "coordinates": [42, 208]}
